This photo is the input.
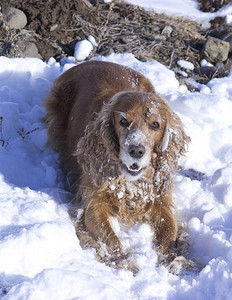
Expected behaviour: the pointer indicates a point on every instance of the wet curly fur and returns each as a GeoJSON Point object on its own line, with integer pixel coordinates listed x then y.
{"type": "Point", "coordinates": [121, 142]}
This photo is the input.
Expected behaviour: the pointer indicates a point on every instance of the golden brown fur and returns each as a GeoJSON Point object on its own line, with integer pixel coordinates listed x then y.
{"type": "Point", "coordinates": [111, 128]}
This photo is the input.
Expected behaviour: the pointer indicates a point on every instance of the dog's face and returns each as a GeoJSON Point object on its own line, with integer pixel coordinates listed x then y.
{"type": "Point", "coordinates": [140, 121]}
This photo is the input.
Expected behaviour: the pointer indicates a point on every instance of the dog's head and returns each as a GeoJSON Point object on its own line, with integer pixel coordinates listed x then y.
{"type": "Point", "coordinates": [129, 132]}
{"type": "Point", "coordinates": [141, 126]}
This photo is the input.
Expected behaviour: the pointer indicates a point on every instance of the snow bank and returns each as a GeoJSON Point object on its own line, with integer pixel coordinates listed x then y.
{"type": "Point", "coordinates": [184, 8]}
{"type": "Point", "coordinates": [40, 255]}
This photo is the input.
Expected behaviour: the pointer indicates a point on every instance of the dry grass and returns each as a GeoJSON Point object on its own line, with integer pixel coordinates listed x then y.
{"type": "Point", "coordinates": [127, 28]}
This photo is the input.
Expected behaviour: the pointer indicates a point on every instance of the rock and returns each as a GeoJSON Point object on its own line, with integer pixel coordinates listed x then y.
{"type": "Point", "coordinates": [225, 35]}
{"type": "Point", "coordinates": [128, 39]}
{"type": "Point", "coordinates": [15, 18]}
{"type": "Point", "coordinates": [150, 37]}
{"type": "Point", "coordinates": [105, 51]}
{"type": "Point", "coordinates": [53, 27]}
{"type": "Point", "coordinates": [155, 28]}
{"type": "Point", "coordinates": [207, 72]}
{"type": "Point", "coordinates": [190, 86]}
{"type": "Point", "coordinates": [167, 31]}
{"type": "Point", "coordinates": [228, 64]}
{"type": "Point", "coordinates": [216, 50]}
{"type": "Point", "coordinates": [27, 49]}
{"type": "Point", "coordinates": [159, 37]}
{"type": "Point", "coordinates": [228, 39]}
{"type": "Point", "coordinates": [141, 58]}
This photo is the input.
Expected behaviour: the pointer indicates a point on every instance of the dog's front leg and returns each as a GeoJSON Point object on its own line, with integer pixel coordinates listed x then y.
{"type": "Point", "coordinates": [96, 217]}
{"type": "Point", "coordinates": [165, 225]}
{"type": "Point", "coordinates": [166, 229]}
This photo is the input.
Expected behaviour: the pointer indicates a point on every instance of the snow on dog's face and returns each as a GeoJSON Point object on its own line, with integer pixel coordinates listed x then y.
{"type": "Point", "coordinates": [140, 121]}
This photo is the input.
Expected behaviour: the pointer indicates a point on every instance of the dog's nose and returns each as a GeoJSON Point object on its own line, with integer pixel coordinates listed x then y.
{"type": "Point", "coordinates": [136, 151]}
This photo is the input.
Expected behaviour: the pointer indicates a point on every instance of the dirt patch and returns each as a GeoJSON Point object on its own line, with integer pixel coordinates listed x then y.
{"type": "Point", "coordinates": [43, 17]}
{"type": "Point", "coordinates": [56, 25]}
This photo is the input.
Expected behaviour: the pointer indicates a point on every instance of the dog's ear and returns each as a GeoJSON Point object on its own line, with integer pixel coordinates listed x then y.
{"type": "Point", "coordinates": [174, 139]}
{"type": "Point", "coordinates": [97, 151]}
{"type": "Point", "coordinates": [173, 145]}
{"type": "Point", "coordinates": [178, 140]}
{"type": "Point", "coordinates": [165, 139]}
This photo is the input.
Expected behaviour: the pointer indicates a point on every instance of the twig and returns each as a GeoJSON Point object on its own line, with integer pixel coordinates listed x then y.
{"type": "Point", "coordinates": [2, 139]}
{"type": "Point", "coordinates": [24, 134]}
{"type": "Point", "coordinates": [171, 59]}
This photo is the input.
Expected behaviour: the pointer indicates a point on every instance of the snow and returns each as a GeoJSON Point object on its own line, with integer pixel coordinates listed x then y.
{"type": "Point", "coordinates": [40, 255]}
{"type": "Point", "coordinates": [184, 8]}
{"type": "Point", "coordinates": [185, 64]}
{"type": "Point", "coordinates": [229, 19]}
{"type": "Point", "coordinates": [205, 63]}
{"type": "Point", "coordinates": [92, 40]}
{"type": "Point", "coordinates": [83, 49]}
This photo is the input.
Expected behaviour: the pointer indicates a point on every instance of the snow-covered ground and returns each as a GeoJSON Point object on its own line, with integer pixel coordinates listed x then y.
{"type": "Point", "coordinates": [40, 256]}
{"type": "Point", "coordinates": [184, 8]}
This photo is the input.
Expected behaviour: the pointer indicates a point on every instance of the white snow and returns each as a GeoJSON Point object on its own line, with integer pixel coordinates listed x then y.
{"type": "Point", "coordinates": [83, 49]}
{"type": "Point", "coordinates": [185, 64]}
{"type": "Point", "coordinates": [205, 63]}
{"type": "Point", "coordinates": [40, 255]}
{"type": "Point", "coordinates": [92, 40]}
{"type": "Point", "coordinates": [229, 19]}
{"type": "Point", "coordinates": [189, 9]}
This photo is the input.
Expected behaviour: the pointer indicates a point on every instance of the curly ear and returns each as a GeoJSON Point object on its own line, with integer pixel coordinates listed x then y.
{"type": "Point", "coordinates": [174, 144]}
{"type": "Point", "coordinates": [165, 139]}
{"type": "Point", "coordinates": [96, 152]}
{"type": "Point", "coordinates": [178, 139]}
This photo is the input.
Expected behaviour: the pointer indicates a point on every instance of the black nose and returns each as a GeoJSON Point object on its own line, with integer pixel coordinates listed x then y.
{"type": "Point", "coordinates": [136, 151]}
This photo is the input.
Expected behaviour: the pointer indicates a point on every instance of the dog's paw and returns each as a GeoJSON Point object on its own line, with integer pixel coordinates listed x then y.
{"type": "Point", "coordinates": [181, 265]}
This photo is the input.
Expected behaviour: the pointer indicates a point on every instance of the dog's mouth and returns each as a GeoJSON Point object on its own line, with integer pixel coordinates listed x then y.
{"type": "Point", "coordinates": [133, 170]}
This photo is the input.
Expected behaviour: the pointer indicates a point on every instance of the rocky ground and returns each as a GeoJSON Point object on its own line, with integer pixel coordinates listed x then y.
{"type": "Point", "coordinates": [51, 28]}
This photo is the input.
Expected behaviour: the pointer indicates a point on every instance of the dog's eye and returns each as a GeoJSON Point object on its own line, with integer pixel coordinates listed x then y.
{"type": "Point", "coordinates": [124, 122]}
{"type": "Point", "coordinates": [155, 126]}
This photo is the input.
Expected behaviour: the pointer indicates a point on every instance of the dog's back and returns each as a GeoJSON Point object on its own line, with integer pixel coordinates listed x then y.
{"type": "Point", "coordinates": [79, 93]}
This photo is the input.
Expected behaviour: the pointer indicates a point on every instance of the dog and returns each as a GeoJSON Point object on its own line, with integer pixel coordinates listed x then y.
{"type": "Point", "coordinates": [121, 142]}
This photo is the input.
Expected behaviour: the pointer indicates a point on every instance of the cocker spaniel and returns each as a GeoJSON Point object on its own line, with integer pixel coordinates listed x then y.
{"type": "Point", "coordinates": [121, 142]}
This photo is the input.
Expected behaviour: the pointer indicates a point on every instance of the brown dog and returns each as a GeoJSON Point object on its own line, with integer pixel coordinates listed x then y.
{"type": "Point", "coordinates": [122, 144]}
